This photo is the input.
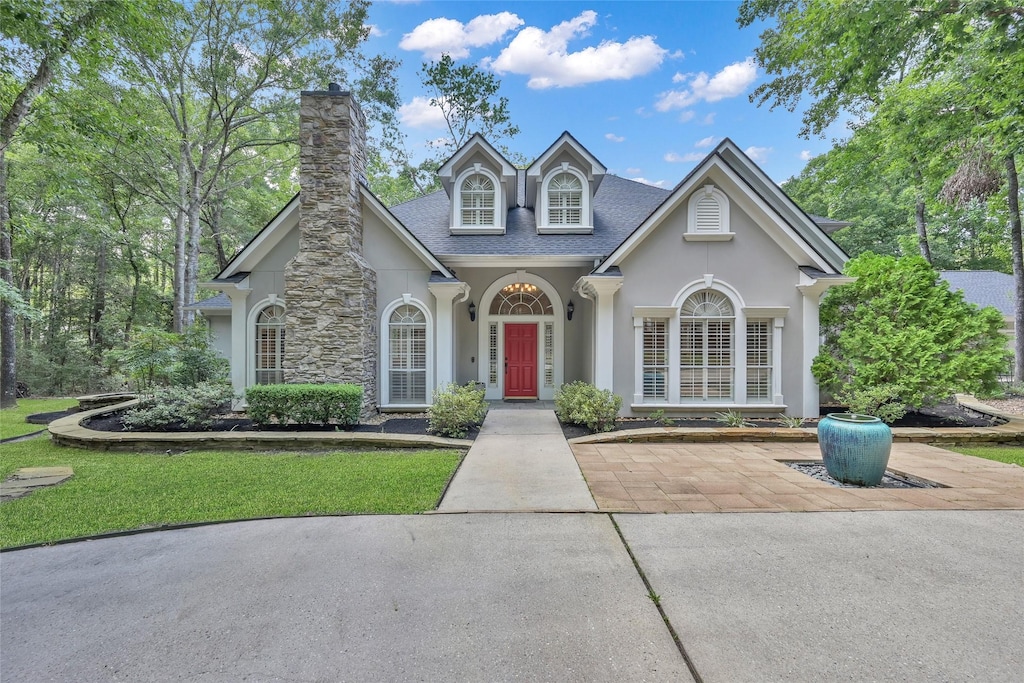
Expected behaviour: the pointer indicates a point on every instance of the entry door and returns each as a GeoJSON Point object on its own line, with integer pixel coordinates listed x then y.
{"type": "Point", "coordinates": [521, 360]}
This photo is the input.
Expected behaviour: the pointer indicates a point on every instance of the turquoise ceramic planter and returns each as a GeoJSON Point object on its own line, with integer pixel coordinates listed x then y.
{"type": "Point", "coordinates": [854, 448]}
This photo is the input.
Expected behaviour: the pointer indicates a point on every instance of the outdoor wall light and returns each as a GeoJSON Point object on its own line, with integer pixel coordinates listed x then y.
{"type": "Point", "coordinates": [472, 312]}
{"type": "Point", "coordinates": [569, 309]}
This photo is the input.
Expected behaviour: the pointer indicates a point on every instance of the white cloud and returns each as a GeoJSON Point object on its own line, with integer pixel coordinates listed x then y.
{"type": "Point", "coordinates": [421, 114]}
{"type": "Point", "coordinates": [544, 56]}
{"type": "Point", "coordinates": [705, 142]}
{"type": "Point", "coordinates": [614, 138]}
{"type": "Point", "coordinates": [806, 155]}
{"type": "Point", "coordinates": [633, 171]}
{"type": "Point", "coordinates": [689, 157]}
{"type": "Point", "coordinates": [729, 82]}
{"type": "Point", "coordinates": [375, 30]}
{"type": "Point", "coordinates": [436, 37]}
{"type": "Point", "coordinates": [687, 116]}
{"type": "Point", "coordinates": [645, 181]}
{"type": "Point", "coordinates": [709, 119]}
{"type": "Point", "coordinates": [758, 154]}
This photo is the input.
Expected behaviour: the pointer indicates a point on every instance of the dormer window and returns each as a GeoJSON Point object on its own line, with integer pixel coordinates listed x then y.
{"type": "Point", "coordinates": [565, 200]}
{"type": "Point", "coordinates": [477, 197]}
{"type": "Point", "coordinates": [708, 216]}
{"type": "Point", "coordinates": [564, 203]}
{"type": "Point", "coordinates": [477, 202]}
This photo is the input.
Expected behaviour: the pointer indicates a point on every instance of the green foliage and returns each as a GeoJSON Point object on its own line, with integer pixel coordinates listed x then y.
{"type": "Point", "coordinates": [791, 421]}
{"type": "Point", "coordinates": [456, 409]}
{"type": "Point", "coordinates": [321, 404]}
{"type": "Point", "coordinates": [468, 98]}
{"type": "Point", "coordinates": [659, 417]}
{"type": "Point", "coordinates": [581, 403]}
{"type": "Point", "coordinates": [731, 418]}
{"type": "Point", "coordinates": [899, 339]}
{"type": "Point", "coordinates": [191, 406]}
{"type": "Point", "coordinates": [158, 358]}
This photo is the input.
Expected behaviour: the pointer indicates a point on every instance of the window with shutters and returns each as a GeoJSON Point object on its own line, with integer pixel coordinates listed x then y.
{"type": "Point", "coordinates": [407, 347]}
{"type": "Point", "coordinates": [565, 200]}
{"type": "Point", "coordinates": [655, 359]}
{"type": "Point", "coordinates": [477, 198]}
{"type": "Point", "coordinates": [270, 345]}
{"type": "Point", "coordinates": [708, 215]}
{"type": "Point", "coordinates": [706, 369]}
{"type": "Point", "coordinates": [759, 361]}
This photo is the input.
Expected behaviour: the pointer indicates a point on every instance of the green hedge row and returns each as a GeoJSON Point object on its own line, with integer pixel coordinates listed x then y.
{"type": "Point", "coordinates": [324, 404]}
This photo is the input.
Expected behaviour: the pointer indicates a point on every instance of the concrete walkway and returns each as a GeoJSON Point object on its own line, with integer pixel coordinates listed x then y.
{"type": "Point", "coordinates": [519, 462]}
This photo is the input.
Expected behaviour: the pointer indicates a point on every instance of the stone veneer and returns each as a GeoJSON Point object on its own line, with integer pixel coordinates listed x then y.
{"type": "Point", "coordinates": [330, 289]}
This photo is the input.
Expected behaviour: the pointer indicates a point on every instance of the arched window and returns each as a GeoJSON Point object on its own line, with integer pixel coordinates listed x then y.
{"type": "Point", "coordinates": [706, 338]}
{"type": "Point", "coordinates": [565, 200]}
{"type": "Point", "coordinates": [521, 298]}
{"type": "Point", "coordinates": [407, 357]}
{"type": "Point", "coordinates": [270, 345]}
{"type": "Point", "coordinates": [477, 198]}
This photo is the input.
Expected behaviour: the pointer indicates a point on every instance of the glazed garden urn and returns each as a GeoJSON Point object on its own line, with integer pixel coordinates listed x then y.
{"type": "Point", "coordinates": [854, 448]}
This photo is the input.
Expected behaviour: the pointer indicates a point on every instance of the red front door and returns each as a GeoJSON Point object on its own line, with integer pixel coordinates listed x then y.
{"type": "Point", "coordinates": [521, 360]}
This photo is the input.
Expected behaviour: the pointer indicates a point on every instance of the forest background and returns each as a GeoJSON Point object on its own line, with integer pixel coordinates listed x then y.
{"type": "Point", "coordinates": [142, 142]}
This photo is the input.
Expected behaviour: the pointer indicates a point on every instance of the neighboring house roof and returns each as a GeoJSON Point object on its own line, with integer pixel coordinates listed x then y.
{"type": "Point", "coordinates": [619, 206]}
{"type": "Point", "coordinates": [983, 288]}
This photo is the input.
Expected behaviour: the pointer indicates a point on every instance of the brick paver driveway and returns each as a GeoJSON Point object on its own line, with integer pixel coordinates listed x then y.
{"type": "Point", "coordinates": [752, 477]}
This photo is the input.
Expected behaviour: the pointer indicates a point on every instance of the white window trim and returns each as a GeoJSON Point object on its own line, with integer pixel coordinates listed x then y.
{"type": "Point", "coordinates": [586, 227]}
{"type": "Point", "coordinates": [741, 312]}
{"type": "Point", "coordinates": [484, 319]}
{"type": "Point", "coordinates": [723, 233]}
{"type": "Point", "coordinates": [457, 228]}
{"type": "Point", "coordinates": [385, 354]}
{"type": "Point", "coordinates": [250, 335]}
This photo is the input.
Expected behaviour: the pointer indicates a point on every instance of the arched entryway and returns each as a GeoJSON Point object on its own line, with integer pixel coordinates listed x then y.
{"type": "Point", "coordinates": [521, 338]}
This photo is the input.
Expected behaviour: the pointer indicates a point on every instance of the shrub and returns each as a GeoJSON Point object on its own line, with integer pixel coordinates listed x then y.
{"type": "Point", "coordinates": [192, 407]}
{"type": "Point", "coordinates": [157, 358]}
{"type": "Point", "coordinates": [899, 339]}
{"type": "Point", "coordinates": [584, 404]}
{"type": "Point", "coordinates": [305, 403]}
{"type": "Point", "coordinates": [731, 418]}
{"type": "Point", "coordinates": [456, 408]}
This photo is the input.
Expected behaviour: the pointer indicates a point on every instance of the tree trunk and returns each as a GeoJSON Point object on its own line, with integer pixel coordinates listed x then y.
{"type": "Point", "coordinates": [1013, 201]}
{"type": "Point", "coordinates": [99, 302]}
{"type": "Point", "coordinates": [919, 221]}
{"type": "Point", "coordinates": [8, 370]}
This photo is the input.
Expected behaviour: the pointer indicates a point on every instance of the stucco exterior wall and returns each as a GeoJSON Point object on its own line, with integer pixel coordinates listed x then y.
{"type": "Point", "coordinates": [751, 262]}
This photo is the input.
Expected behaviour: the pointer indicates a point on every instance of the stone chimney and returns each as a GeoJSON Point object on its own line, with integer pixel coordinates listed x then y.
{"type": "Point", "coordinates": [330, 289]}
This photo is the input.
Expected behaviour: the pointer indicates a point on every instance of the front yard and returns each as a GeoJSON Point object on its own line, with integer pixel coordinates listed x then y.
{"type": "Point", "coordinates": [119, 491]}
{"type": "Point", "coordinates": [12, 420]}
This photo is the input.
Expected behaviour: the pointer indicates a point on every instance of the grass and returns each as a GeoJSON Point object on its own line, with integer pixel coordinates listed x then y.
{"type": "Point", "coordinates": [12, 420]}
{"type": "Point", "coordinates": [1013, 455]}
{"type": "Point", "coordinates": [114, 492]}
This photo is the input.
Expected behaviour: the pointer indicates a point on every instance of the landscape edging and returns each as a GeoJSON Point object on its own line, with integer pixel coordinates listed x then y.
{"type": "Point", "coordinates": [69, 431]}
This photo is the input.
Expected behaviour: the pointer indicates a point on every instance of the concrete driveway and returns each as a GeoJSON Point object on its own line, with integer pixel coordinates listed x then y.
{"type": "Point", "coordinates": [535, 597]}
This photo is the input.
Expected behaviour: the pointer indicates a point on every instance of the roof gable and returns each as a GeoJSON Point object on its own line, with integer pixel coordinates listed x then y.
{"type": "Point", "coordinates": [478, 145]}
{"type": "Point", "coordinates": [753, 191]}
{"type": "Point", "coordinates": [588, 164]}
{"type": "Point", "coordinates": [264, 241]}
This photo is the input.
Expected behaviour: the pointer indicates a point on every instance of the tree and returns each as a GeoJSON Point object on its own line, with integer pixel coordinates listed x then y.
{"type": "Point", "coordinates": [38, 38]}
{"type": "Point", "coordinates": [899, 339]}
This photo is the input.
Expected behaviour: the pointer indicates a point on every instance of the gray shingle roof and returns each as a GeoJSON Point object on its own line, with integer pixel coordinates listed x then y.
{"type": "Point", "coordinates": [220, 302]}
{"type": "Point", "coordinates": [983, 287]}
{"type": "Point", "coordinates": [619, 207]}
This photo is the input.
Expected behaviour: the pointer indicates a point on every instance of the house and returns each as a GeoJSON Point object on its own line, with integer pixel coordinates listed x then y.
{"type": "Point", "coordinates": [693, 300]}
{"type": "Point", "coordinates": [986, 288]}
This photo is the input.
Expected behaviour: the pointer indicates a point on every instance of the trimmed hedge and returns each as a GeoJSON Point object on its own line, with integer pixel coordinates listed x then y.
{"type": "Point", "coordinates": [456, 409]}
{"type": "Point", "coordinates": [322, 404]}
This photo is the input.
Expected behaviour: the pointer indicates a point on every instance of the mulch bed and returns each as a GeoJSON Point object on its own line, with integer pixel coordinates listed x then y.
{"type": "Point", "coordinates": [949, 414]}
{"type": "Point", "coordinates": [113, 422]}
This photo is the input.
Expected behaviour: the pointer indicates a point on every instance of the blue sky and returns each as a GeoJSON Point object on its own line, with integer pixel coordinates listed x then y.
{"type": "Point", "coordinates": [648, 87]}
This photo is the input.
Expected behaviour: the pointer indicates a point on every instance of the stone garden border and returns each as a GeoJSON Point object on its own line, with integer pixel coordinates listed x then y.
{"type": "Point", "coordinates": [68, 431]}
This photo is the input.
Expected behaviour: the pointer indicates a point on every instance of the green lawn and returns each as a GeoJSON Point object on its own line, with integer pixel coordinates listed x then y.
{"type": "Point", "coordinates": [12, 420]}
{"type": "Point", "coordinates": [112, 492]}
{"type": "Point", "coordinates": [1011, 454]}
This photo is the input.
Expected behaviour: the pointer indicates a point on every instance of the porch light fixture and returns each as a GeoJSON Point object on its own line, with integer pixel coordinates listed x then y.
{"type": "Point", "coordinates": [472, 312]}
{"type": "Point", "coordinates": [569, 309]}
